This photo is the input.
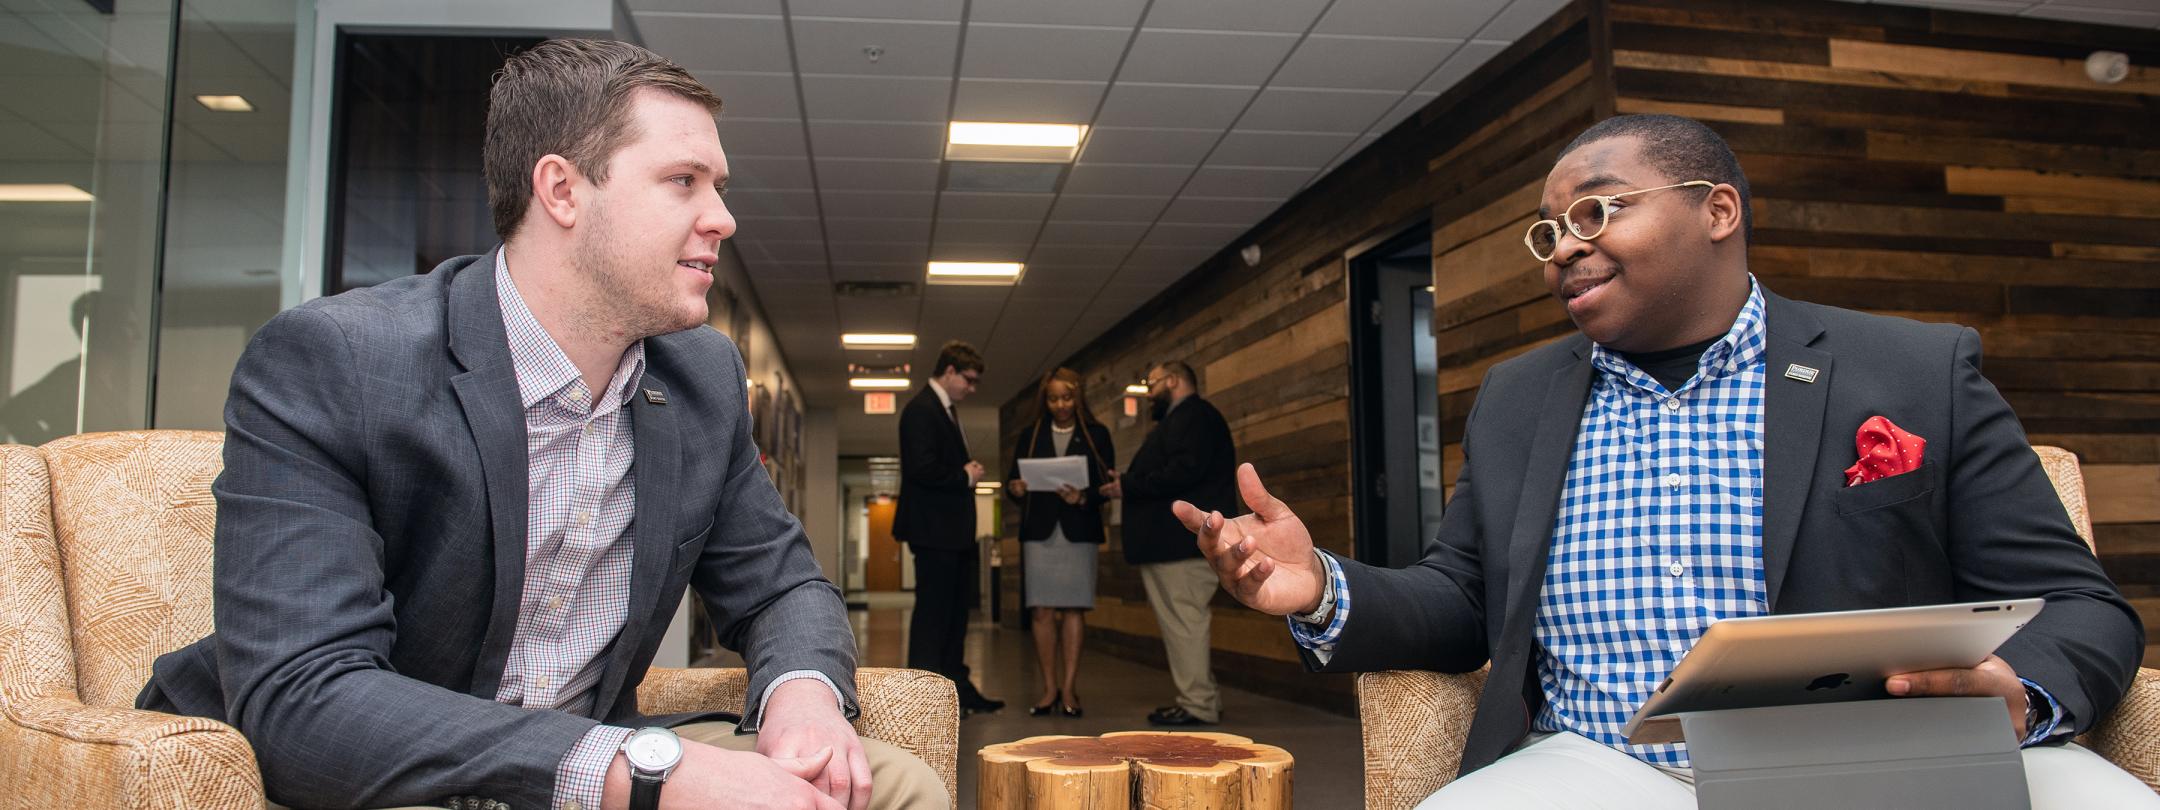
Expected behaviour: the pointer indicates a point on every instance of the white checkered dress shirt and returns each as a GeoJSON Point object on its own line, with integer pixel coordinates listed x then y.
{"type": "Point", "coordinates": [1658, 535]}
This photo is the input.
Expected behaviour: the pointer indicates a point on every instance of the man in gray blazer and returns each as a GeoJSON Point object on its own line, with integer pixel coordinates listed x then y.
{"type": "Point", "coordinates": [1690, 457]}
{"type": "Point", "coordinates": [458, 509]}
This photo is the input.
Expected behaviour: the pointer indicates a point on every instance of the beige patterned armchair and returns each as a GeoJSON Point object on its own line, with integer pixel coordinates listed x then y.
{"type": "Point", "coordinates": [105, 564]}
{"type": "Point", "coordinates": [1416, 723]}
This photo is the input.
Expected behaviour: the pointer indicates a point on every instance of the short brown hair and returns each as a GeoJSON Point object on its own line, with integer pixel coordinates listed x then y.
{"type": "Point", "coordinates": [568, 97]}
{"type": "Point", "coordinates": [958, 356]}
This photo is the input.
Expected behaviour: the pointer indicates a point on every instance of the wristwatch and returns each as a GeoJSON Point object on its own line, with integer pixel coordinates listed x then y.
{"type": "Point", "coordinates": [653, 754]}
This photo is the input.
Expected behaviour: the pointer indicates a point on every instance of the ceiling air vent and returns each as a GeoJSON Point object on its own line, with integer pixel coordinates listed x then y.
{"type": "Point", "coordinates": [874, 289]}
{"type": "Point", "coordinates": [968, 175]}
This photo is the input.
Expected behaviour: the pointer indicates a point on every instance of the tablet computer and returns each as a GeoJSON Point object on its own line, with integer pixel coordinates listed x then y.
{"type": "Point", "coordinates": [1822, 658]}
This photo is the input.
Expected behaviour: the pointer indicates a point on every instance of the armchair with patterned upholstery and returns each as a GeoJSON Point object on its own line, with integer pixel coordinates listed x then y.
{"type": "Point", "coordinates": [105, 544]}
{"type": "Point", "coordinates": [1416, 722]}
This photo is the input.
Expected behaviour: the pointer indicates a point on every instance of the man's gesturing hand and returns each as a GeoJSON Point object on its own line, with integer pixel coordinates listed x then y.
{"type": "Point", "coordinates": [1265, 559]}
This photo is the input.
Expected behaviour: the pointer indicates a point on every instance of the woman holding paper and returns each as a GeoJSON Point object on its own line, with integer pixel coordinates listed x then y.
{"type": "Point", "coordinates": [1061, 530]}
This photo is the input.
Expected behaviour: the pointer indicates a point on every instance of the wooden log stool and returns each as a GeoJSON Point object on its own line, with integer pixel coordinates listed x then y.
{"type": "Point", "coordinates": [1134, 770]}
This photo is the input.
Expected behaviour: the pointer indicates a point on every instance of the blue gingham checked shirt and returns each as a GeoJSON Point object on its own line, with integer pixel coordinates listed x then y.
{"type": "Point", "coordinates": [579, 540]}
{"type": "Point", "coordinates": [1658, 535]}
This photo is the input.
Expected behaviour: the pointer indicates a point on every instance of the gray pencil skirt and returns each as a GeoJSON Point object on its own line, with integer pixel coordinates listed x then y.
{"type": "Point", "coordinates": [1060, 572]}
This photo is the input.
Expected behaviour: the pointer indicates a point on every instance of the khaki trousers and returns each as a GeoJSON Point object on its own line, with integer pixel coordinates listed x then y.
{"type": "Point", "coordinates": [1179, 591]}
{"type": "Point", "coordinates": [898, 780]}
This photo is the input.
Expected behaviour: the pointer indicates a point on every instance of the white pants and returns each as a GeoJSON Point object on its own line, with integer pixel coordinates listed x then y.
{"type": "Point", "coordinates": [1570, 771]}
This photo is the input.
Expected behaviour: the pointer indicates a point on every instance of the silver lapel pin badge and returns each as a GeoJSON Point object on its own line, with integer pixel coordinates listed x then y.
{"type": "Point", "coordinates": [657, 398]}
{"type": "Point", "coordinates": [1801, 373]}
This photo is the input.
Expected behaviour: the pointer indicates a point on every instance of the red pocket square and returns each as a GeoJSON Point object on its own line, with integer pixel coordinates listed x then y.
{"type": "Point", "coordinates": [1885, 450]}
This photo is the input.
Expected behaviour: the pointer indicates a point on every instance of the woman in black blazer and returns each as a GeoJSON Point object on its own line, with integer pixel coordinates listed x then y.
{"type": "Point", "coordinates": [1061, 533]}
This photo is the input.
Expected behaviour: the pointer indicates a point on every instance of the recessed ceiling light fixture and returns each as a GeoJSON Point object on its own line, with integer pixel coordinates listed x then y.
{"type": "Point", "coordinates": [862, 340]}
{"type": "Point", "coordinates": [225, 103]}
{"type": "Point", "coordinates": [879, 383]}
{"type": "Point", "coordinates": [43, 192]}
{"type": "Point", "coordinates": [1013, 143]}
{"type": "Point", "coordinates": [982, 273]}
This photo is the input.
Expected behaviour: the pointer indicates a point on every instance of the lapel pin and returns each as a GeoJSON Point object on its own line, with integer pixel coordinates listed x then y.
{"type": "Point", "coordinates": [1794, 372]}
{"type": "Point", "coordinates": [657, 398]}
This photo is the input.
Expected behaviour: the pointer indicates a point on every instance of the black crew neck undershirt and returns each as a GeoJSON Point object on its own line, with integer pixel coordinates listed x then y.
{"type": "Point", "coordinates": [1671, 367]}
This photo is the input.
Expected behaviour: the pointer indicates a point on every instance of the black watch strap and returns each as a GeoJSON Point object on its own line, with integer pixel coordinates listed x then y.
{"type": "Point", "coordinates": [644, 791]}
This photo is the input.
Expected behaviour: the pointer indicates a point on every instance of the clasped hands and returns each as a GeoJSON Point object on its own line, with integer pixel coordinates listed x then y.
{"type": "Point", "coordinates": [808, 757]}
{"type": "Point", "coordinates": [1265, 559]}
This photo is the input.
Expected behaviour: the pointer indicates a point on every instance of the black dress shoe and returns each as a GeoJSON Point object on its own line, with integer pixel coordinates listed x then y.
{"type": "Point", "coordinates": [1038, 711]}
{"type": "Point", "coordinates": [1067, 709]}
{"type": "Point", "coordinates": [1175, 716]}
{"type": "Point", "coordinates": [977, 704]}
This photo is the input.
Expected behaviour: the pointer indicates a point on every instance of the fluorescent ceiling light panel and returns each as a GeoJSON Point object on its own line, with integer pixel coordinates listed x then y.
{"type": "Point", "coordinates": [42, 192]}
{"type": "Point", "coordinates": [879, 383]}
{"type": "Point", "coordinates": [1136, 388]}
{"type": "Point", "coordinates": [858, 340]}
{"type": "Point", "coordinates": [985, 273]}
{"type": "Point", "coordinates": [1016, 143]}
{"type": "Point", "coordinates": [225, 103]}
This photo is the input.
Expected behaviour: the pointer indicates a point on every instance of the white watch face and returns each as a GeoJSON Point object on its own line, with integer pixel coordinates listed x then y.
{"type": "Point", "coordinates": [653, 750]}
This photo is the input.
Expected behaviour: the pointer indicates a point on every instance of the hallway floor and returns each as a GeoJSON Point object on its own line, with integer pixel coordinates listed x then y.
{"type": "Point", "coordinates": [1116, 695]}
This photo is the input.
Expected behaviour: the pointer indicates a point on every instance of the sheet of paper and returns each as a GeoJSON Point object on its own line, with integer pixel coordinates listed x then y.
{"type": "Point", "coordinates": [1047, 474]}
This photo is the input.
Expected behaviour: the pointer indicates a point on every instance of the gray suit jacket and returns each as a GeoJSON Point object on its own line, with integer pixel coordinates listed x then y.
{"type": "Point", "coordinates": [371, 550]}
{"type": "Point", "coordinates": [1978, 520]}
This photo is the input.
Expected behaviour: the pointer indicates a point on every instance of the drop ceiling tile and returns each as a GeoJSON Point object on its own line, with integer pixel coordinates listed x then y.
{"type": "Point", "coordinates": [1456, 19]}
{"type": "Point", "coordinates": [741, 137]}
{"type": "Point", "coordinates": [766, 7]}
{"type": "Point", "coordinates": [878, 271]}
{"type": "Point", "coordinates": [1108, 208]}
{"type": "Point", "coordinates": [1172, 106]}
{"type": "Point", "coordinates": [1085, 254]}
{"type": "Point", "coordinates": [1102, 233]}
{"type": "Point", "coordinates": [972, 205]}
{"type": "Point", "coordinates": [1285, 149]}
{"type": "Point", "coordinates": [779, 250]}
{"type": "Point", "coordinates": [745, 202]}
{"type": "Point", "coordinates": [861, 98]}
{"type": "Point", "coordinates": [1291, 16]}
{"type": "Point", "coordinates": [1363, 63]}
{"type": "Point", "coordinates": [1004, 51]}
{"type": "Point", "coordinates": [1027, 102]}
{"type": "Point", "coordinates": [1218, 211]}
{"type": "Point", "coordinates": [945, 251]}
{"type": "Point", "coordinates": [2147, 18]}
{"type": "Point", "coordinates": [1096, 178]}
{"type": "Point", "coordinates": [1519, 17]}
{"type": "Point", "coordinates": [923, 141]}
{"type": "Point", "coordinates": [875, 315]}
{"type": "Point", "coordinates": [1120, 145]}
{"type": "Point", "coordinates": [785, 228]}
{"type": "Point", "coordinates": [877, 230]}
{"type": "Point", "coordinates": [1239, 181]}
{"type": "Point", "coordinates": [1205, 57]}
{"type": "Point", "coordinates": [1207, 236]}
{"type": "Point", "coordinates": [874, 204]}
{"type": "Point", "coordinates": [1059, 12]}
{"type": "Point", "coordinates": [1298, 110]}
{"type": "Point", "coordinates": [1469, 57]}
{"type": "Point", "coordinates": [754, 95]}
{"type": "Point", "coordinates": [769, 172]}
{"type": "Point", "coordinates": [851, 174]}
{"type": "Point", "coordinates": [946, 10]}
{"type": "Point", "coordinates": [831, 46]}
{"type": "Point", "coordinates": [1050, 288]}
{"type": "Point", "coordinates": [915, 253]}
{"type": "Point", "coordinates": [1158, 257]}
{"type": "Point", "coordinates": [1001, 231]}
{"type": "Point", "coordinates": [754, 43]}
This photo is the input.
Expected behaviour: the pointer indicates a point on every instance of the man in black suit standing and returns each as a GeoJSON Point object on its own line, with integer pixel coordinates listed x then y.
{"type": "Point", "coordinates": [936, 518]}
{"type": "Point", "coordinates": [1187, 457]}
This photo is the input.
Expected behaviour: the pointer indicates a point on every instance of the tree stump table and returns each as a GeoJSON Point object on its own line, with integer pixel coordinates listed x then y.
{"type": "Point", "coordinates": [1134, 770]}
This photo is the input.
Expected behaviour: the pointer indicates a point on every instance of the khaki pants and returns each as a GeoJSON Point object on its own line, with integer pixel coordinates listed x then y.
{"type": "Point", "coordinates": [1179, 592]}
{"type": "Point", "coordinates": [898, 780]}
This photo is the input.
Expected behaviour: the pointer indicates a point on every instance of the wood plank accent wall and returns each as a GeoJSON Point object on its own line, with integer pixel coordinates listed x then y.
{"type": "Point", "coordinates": [1271, 344]}
{"type": "Point", "coordinates": [1937, 165]}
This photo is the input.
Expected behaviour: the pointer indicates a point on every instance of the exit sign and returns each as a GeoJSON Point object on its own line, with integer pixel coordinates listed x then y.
{"type": "Point", "coordinates": [878, 402]}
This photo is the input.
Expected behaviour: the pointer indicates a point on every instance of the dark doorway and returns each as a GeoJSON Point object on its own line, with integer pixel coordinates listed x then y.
{"type": "Point", "coordinates": [1394, 400]}
{"type": "Point", "coordinates": [406, 189]}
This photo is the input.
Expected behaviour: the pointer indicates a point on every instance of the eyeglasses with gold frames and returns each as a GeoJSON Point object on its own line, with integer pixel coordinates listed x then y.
{"type": "Point", "coordinates": [1586, 223]}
